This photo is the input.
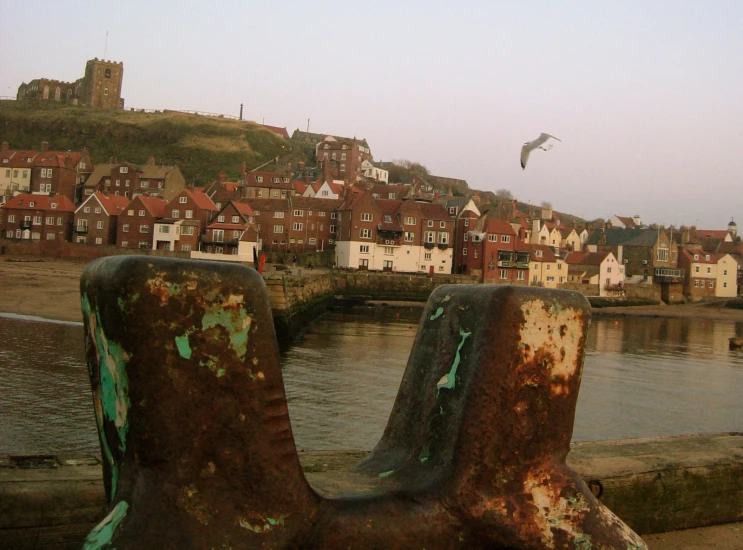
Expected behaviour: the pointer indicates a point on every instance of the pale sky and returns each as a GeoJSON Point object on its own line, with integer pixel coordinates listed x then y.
{"type": "Point", "coordinates": [647, 96]}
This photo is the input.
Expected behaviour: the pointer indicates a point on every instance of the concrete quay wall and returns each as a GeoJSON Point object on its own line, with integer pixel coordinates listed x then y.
{"type": "Point", "coordinates": [655, 485]}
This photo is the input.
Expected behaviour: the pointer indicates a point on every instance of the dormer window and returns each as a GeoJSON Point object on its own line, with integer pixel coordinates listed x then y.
{"type": "Point", "coordinates": [696, 256]}
{"type": "Point", "coordinates": [286, 180]}
{"type": "Point", "coordinates": [54, 206]}
{"type": "Point", "coordinates": [5, 161]}
{"type": "Point", "coordinates": [259, 179]}
{"type": "Point", "coordinates": [182, 200]}
{"type": "Point", "coordinates": [124, 169]}
{"type": "Point", "coordinates": [275, 180]}
{"type": "Point", "coordinates": [706, 257]}
{"type": "Point", "coordinates": [31, 204]}
{"type": "Point", "coordinates": [538, 253]}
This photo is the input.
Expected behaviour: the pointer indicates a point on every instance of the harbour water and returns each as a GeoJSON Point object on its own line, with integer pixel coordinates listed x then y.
{"type": "Point", "coordinates": [643, 377]}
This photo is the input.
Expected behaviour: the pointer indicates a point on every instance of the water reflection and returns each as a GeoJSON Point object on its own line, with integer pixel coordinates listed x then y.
{"type": "Point", "coordinates": [643, 377]}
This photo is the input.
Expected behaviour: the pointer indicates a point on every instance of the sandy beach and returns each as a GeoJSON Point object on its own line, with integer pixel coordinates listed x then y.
{"type": "Point", "coordinates": [49, 288]}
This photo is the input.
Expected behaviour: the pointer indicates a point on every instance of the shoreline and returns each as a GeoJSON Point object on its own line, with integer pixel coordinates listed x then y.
{"type": "Point", "coordinates": [48, 289]}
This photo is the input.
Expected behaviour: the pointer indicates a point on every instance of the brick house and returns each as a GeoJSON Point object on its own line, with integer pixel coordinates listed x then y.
{"type": "Point", "coordinates": [184, 221]}
{"type": "Point", "coordinates": [129, 180]}
{"type": "Point", "coordinates": [272, 219]}
{"type": "Point", "coordinates": [313, 223]}
{"type": "Point", "coordinates": [231, 235]}
{"type": "Point", "coordinates": [60, 173]}
{"type": "Point", "coordinates": [394, 235]}
{"type": "Point", "coordinates": [137, 222]}
{"type": "Point", "coordinates": [267, 185]}
{"type": "Point", "coordinates": [38, 217]}
{"type": "Point", "coordinates": [96, 219]}
{"type": "Point", "coordinates": [466, 220]}
{"type": "Point", "coordinates": [343, 157]}
{"type": "Point", "coordinates": [492, 249]}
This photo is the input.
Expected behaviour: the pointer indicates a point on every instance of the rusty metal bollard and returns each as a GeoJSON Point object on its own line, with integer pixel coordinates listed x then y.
{"type": "Point", "coordinates": [197, 442]}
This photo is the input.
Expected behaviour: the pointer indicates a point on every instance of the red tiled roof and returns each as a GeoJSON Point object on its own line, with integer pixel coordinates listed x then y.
{"type": "Point", "coordinates": [433, 211]}
{"type": "Point", "coordinates": [244, 208]}
{"type": "Point", "coordinates": [251, 179]}
{"type": "Point", "coordinates": [17, 159]}
{"type": "Point", "coordinates": [154, 205]}
{"type": "Point", "coordinates": [277, 130]}
{"type": "Point", "coordinates": [711, 233]}
{"type": "Point", "coordinates": [24, 201]}
{"type": "Point", "coordinates": [299, 186]}
{"type": "Point", "coordinates": [547, 254]}
{"type": "Point", "coordinates": [268, 204]}
{"type": "Point", "coordinates": [701, 256]}
{"type": "Point", "coordinates": [201, 199]}
{"type": "Point", "coordinates": [581, 258]}
{"type": "Point", "coordinates": [500, 227]}
{"type": "Point", "coordinates": [112, 204]}
{"type": "Point", "coordinates": [56, 159]}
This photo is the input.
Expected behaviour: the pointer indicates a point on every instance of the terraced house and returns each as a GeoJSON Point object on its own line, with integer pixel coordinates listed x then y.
{"type": "Point", "coordinates": [394, 235]}
{"type": "Point", "coordinates": [97, 219]}
{"type": "Point", "coordinates": [38, 217]}
{"type": "Point", "coordinates": [231, 235]}
{"type": "Point", "coordinates": [137, 222]}
{"type": "Point", "coordinates": [184, 221]}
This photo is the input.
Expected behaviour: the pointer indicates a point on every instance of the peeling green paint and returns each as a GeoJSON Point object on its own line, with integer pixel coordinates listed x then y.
{"type": "Point", "coordinates": [449, 380]}
{"type": "Point", "coordinates": [220, 373]}
{"type": "Point", "coordinates": [439, 313]}
{"type": "Point", "coordinates": [111, 397]}
{"type": "Point", "coordinates": [388, 473]}
{"type": "Point", "coordinates": [103, 533]}
{"type": "Point", "coordinates": [235, 319]}
{"type": "Point", "coordinates": [423, 455]}
{"type": "Point", "coordinates": [183, 346]}
{"type": "Point", "coordinates": [447, 298]}
{"type": "Point", "coordinates": [583, 542]}
{"type": "Point", "coordinates": [268, 526]}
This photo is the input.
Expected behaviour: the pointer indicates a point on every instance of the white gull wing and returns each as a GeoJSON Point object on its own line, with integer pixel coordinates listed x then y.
{"type": "Point", "coordinates": [530, 145]}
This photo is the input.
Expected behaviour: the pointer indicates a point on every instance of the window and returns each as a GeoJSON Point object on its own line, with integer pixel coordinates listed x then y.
{"type": "Point", "coordinates": [409, 220]}
{"type": "Point", "coordinates": [235, 219]}
{"type": "Point", "coordinates": [141, 213]}
{"type": "Point", "coordinates": [464, 252]}
{"type": "Point", "coordinates": [493, 238]}
{"type": "Point", "coordinates": [86, 209]}
{"type": "Point", "coordinates": [125, 228]}
{"type": "Point", "coordinates": [442, 225]}
{"type": "Point", "coordinates": [37, 221]}
{"type": "Point", "coordinates": [332, 229]}
{"type": "Point", "coordinates": [430, 236]}
{"type": "Point", "coordinates": [709, 269]}
{"type": "Point", "coordinates": [334, 215]}
{"type": "Point", "coordinates": [520, 275]}
{"type": "Point", "coordinates": [59, 221]}
{"type": "Point", "coordinates": [662, 255]}
{"type": "Point", "coordinates": [99, 225]}
{"type": "Point", "coordinates": [124, 244]}
{"type": "Point", "coordinates": [475, 254]}
{"type": "Point", "coordinates": [164, 229]}
{"type": "Point", "coordinates": [365, 234]}
{"type": "Point", "coordinates": [466, 237]}
{"type": "Point", "coordinates": [299, 212]}
{"type": "Point", "coordinates": [278, 228]}
{"type": "Point", "coordinates": [97, 210]}
{"type": "Point", "coordinates": [11, 218]}
{"type": "Point", "coordinates": [144, 228]}
{"type": "Point", "coordinates": [427, 256]}
{"type": "Point", "coordinates": [189, 214]}
{"type": "Point", "coordinates": [363, 262]}
{"type": "Point", "coordinates": [298, 226]}
{"type": "Point", "coordinates": [51, 237]}
{"type": "Point", "coordinates": [608, 269]}
{"type": "Point", "coordinates": [390, 195]}
{"type": "Point", "coordinates": [366, 217]}
{"type": "Point", "coordinates": [218, 235]}
{"type": "Point", "coordinates": [389, 251]}
{"type": "Point", "coordinates": [364, 249]}
{"type": "Point", "coordinates": [505, 238]}
{"type": "Point", "coordinates": [82, 225]}
{"type": "Point", "coordinates": [50, 221]}
{"type": "Point", "coordinates": [187, 230]}
{"type": "Point", "coordinates": [183, 200]}
{"type": "Point", "coordinates": [696, 269]}
{"type": "Point", "coordinates": [312, 240]}
{"type": "Point", "coordinates": [538, 253]}
{"type": "Point", "coordinates": [387, 264]}
{"type": "Point", "coordinates": [220, 219]}
{"type": "Point", "coordinates": [124, 169]}
{"type": "Point", "coordinates": [144, 184]}
{"type": "Point", "coordinates": [186, 247]}
{"type": "Point", "coordinates": [409, 236]}
{"type": "Point", "coordinates": [278, 214]}
{"type": "Point", "coordinates": [711, 284]}
{"type": "Point", "coordinates": [259, 179]}
{"type": "Point", "coordinates": [430, 223]}
{"type": "Point", "coordinates": [443, 238]}
{"type": "Point", "coordinates": [176, 213]}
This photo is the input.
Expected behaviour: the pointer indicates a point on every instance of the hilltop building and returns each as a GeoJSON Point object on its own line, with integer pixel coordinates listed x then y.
{"type": "Point", "coordinates": [100, 87]}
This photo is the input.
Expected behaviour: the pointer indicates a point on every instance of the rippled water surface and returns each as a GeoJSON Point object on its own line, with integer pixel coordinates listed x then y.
{"type": "Point", "coordinates": [643, 377]}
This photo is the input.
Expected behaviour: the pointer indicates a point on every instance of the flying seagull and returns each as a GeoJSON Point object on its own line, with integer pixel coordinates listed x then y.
{"type": "Point", "coordinates": [537, 143]}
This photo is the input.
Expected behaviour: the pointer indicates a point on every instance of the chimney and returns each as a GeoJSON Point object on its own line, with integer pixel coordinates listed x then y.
{"type": "Point", "coordinates": [514, 208]}
{"type": "Point", "coordinates": [151, 161]}
{"type": "Point", "coordinates": [68, 161]}
{"type": "Point", "coordinates": [222, 177]}
{"type": "Point", "coordinates": [243, 170]}
{"type": "Point", "coordinates": [4, 147]}
{"type": "Point", "coordinates": [44, 146]}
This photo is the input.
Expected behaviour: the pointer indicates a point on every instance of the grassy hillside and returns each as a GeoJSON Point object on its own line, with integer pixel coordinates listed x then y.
{"type": "Point", "coordinates": [201, 146]}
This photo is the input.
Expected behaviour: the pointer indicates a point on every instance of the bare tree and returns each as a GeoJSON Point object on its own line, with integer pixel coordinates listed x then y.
{"type": "Point", "coordinates": [504, 195]}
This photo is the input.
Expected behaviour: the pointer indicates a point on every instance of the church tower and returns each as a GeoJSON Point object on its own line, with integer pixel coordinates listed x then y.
{"type": "Point", "coordinates": [101, 85]}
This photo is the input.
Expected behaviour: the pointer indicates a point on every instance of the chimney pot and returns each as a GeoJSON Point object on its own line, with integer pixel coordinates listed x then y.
{"type": "Point", "coordinates": [44, 146]}
{"type": "Point", "coordinates": [4, 147]}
